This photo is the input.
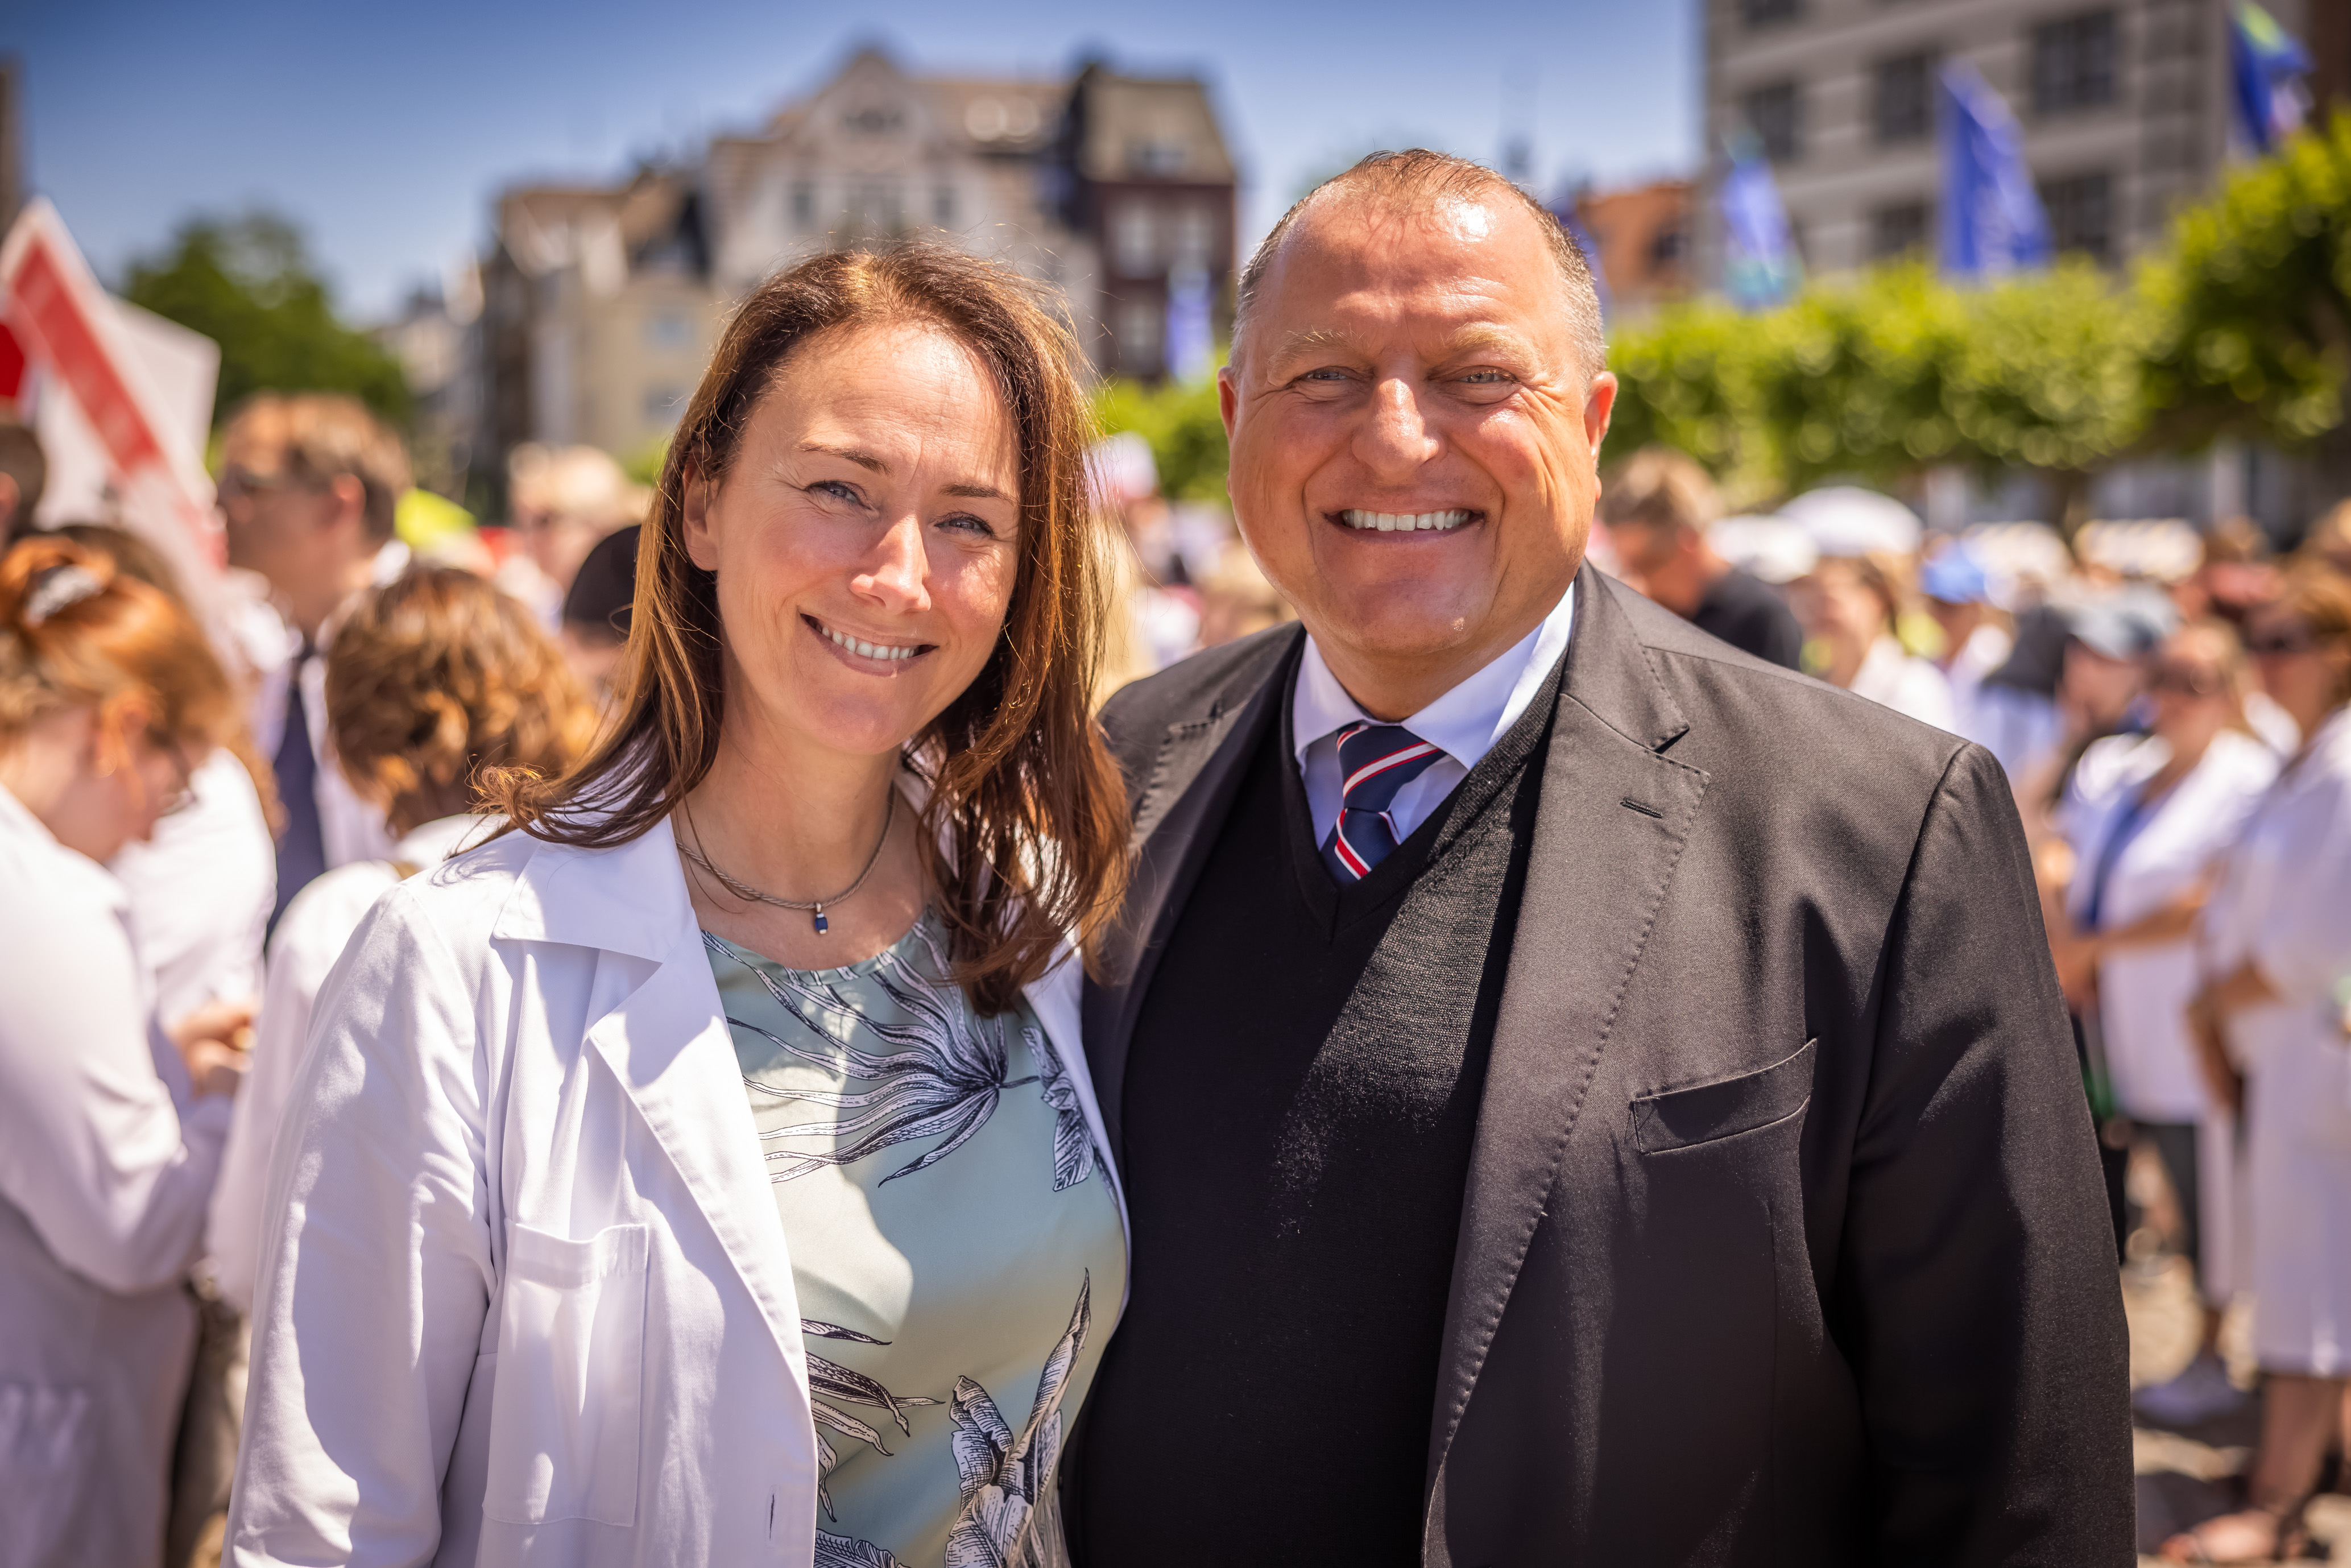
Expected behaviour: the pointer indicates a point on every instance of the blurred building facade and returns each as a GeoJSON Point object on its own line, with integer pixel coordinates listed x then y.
{"type": "Point", "coordinates": [598, 306]}
{"type": "Point", "coordinates": [1643, 235]}
{"type": "Point", "coordinates": [2124, 104]}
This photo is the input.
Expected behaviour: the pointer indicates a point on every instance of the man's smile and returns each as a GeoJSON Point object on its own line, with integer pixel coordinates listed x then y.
{"type": "Point", "coordinates": [1444, 522]}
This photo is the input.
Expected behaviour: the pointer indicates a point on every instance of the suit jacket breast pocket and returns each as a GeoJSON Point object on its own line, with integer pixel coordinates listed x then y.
{"type": "Point", "coordinates": [1710, 1112]}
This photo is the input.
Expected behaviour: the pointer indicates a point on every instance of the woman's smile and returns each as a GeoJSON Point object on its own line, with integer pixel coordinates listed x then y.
{"type": "Point", "coordinates": [872, 655]}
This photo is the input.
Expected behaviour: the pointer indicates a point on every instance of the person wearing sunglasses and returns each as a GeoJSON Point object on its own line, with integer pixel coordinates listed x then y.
{"type": "Point", "coordinates": [2275, 954]}
{"type": "Point", "coordinates": [109, 1136]}
{"type": "Point", "coordinates": [2147, 817]}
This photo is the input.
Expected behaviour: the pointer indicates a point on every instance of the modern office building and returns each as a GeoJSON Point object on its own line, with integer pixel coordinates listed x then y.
{"type": "Point", "coordinates": [2124, 104]}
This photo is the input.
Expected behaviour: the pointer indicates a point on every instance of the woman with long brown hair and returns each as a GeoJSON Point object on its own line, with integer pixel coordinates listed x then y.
{"type": "Point", "coordinates": [109, 1139]}
{"type": "Point", "coordinates": [706, 1169]}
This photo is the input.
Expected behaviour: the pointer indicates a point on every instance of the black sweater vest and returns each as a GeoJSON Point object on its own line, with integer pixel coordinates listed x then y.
{"type": "Point", "coordinates": [1300, 1097]}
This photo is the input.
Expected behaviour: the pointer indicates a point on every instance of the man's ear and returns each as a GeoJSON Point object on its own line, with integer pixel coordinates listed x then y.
{"type": "Point", "coordinates": [1229, 399]}
{"type": "Point", "coordinates": [694, 519]}
{"type": "Point", "coordinates": [1598, 404]}
{"type": "Point", "coordinates": [351, 500]}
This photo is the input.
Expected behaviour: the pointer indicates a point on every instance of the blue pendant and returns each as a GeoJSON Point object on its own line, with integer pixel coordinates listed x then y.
{"type": "Point", "coordinates": [823, 925]}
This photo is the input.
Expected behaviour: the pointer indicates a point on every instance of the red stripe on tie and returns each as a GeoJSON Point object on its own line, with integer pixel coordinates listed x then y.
{"type": "Point", "coordinates": [1356, 862]}
{"type": "Point", "coordinates": [1394, 759]}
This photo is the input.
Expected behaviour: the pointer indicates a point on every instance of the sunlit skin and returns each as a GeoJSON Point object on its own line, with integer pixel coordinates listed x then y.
{"type": "Point", "coordinates": [876, 494]}
{"type": "Point", "coordinates": [1413, 362]}
{"type": "Point", "coordinates": [1840, 613]}
{"type": "Point", "coordinates": [308, 538]}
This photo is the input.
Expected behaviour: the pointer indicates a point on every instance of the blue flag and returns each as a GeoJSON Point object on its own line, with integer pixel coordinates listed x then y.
{"type": "Point", "coordinates": [2268, 66]}
{"type": "Point", "coordinates": [1992, 223]}
{"type": "Point", "coordinates": [1191, 353]}
{"type": "Point", "coordinates": [1759, 265]}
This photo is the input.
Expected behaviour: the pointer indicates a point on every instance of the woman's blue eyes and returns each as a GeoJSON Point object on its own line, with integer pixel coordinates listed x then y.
{"type": "Point", "coordinates": [840, 491]}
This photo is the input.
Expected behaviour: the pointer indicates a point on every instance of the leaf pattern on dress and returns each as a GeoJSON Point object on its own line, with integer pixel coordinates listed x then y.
{"type": "Point", "coordinates": [827, 1377]}
{"type": "Point", "coordinates": [942, 1079]}
{"type": "Point", "coordinates": [840, 1552]}
{"type": "Point", "coordinates": [1074, 1141]}
{"type": "Point", "coordinates": [1005, 1476]}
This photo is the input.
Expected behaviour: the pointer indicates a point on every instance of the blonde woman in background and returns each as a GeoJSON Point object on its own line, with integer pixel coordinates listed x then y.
{"type": "Point", "coordinates": [1847, 606]}
{"type": "Point", "coordinates": [563, 500]}
{"type": "Point", "coordinates": [435, 677]}
{"type": "Point", "coordinates": [109, 1136]}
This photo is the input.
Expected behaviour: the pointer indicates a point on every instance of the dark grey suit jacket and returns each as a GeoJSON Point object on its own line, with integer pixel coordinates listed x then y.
{"type": "Point", "coordinates": [1784, 1239]}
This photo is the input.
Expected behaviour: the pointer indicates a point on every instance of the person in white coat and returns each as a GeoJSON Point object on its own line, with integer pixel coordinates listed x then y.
{"type": "Point", "coordinates": [2277, 973]}
{"type": "Point", "coordinates": [707, 1171]}
{"type": "Point", "coordinates": [438, 642]}
{"type": "Point", "coordinates": [2147, 818]}
{"type": "Point", "coordinates": [1846, 605]}
{"type": "Point", "coordinates": [110, 1129]}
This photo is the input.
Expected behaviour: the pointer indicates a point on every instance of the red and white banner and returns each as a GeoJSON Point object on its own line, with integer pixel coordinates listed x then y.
{"type": "Point", "coordinates": [65, 324]}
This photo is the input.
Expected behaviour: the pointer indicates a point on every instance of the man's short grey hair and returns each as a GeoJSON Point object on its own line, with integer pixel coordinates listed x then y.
{"type": "Point", "coordinates": [1418, 179]}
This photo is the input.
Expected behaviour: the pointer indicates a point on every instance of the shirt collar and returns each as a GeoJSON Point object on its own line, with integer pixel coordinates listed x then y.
{"type": "Point", "coordinates": [1464, 722]}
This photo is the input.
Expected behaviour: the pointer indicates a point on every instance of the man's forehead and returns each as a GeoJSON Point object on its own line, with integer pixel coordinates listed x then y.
{"type": "Point", "coordinates": [1448, 269]}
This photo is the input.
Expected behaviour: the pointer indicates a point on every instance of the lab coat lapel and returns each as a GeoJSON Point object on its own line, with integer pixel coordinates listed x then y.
{"type": "Point", "coordinates": [665, 1039]}
{"type": "Point", "coordinates": [1614, 815]}
{"type": "Point", "coordinates": [1184, 801]}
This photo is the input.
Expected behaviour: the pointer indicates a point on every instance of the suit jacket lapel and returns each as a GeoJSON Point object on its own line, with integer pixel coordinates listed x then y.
{"type": "Point", "coordinates": [1612, 816]}
{"type": "Point", "coordinates": [1185, 795]}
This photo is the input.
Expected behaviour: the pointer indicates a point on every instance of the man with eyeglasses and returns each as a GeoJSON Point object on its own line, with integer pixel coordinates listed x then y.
{"type": "Point", "coordinates": [308, 483]}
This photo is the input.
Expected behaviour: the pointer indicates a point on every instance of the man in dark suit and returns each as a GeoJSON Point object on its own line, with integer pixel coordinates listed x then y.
{"type": "Point", "coordinates": [1585, 1095]}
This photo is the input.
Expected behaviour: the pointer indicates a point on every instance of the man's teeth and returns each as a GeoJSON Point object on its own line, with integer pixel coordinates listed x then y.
{"type": "Point", "coordinates": [872, 650]}
{"type": "Point", "coordinates": [1403, 522]}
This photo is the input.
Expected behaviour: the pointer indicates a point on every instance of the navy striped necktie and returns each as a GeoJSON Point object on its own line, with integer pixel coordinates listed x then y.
{"type": "Point", "coordinates": [1375, 760]}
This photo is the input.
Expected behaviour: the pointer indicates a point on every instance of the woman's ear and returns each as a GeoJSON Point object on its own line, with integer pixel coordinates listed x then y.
{"type": "Point", "coordinates": [695, 523]}
{"type": "Point", "coordinates": [117, 723]}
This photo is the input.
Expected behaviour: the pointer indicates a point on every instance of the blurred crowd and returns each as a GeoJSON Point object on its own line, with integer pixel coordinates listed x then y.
{"type": "Point", "coordinates": [204, 784]}
{"type": "Point", "coordinates": [2169, 709]}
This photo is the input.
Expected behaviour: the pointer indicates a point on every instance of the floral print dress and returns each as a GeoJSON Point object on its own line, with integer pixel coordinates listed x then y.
{"type": "Point", "coordinates": [956, 1245]}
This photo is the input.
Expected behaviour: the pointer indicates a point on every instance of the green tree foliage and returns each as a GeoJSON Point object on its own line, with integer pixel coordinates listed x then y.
{"type": "Point", "coordinates": [2253, 299]}
{"type": "Point", "coordinates": [2239, 324]}
{"type": "Point", "coordinates": [1181, 423]}
{"type": "Point", "coordinates": [250, 284]}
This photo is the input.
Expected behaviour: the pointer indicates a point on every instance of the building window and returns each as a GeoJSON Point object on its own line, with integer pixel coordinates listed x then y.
{"type": "Point", "coordinates": [1776, 116]}
{"type": "Point", "coordinates": [803, 207]}
{"type": "Point", "coordinates": [2081, 214]}
{"type": "Point", "coordinates": [1763, 12]}
{"type": "Point", "coordinates": [1904, 103]}
{"type": "Point", "coordinates": [669, 330]}
{"type": "Point", "coordinates": [943, 206]}
{"type": "Point", "coordinates": [1139, 325]}
{"type": "Point", "coordinates": [1134, 239]}
{"type": "Point", "coordinates": [1156, 158]}
{"type": "Point", "coordinates": [1666, 248]}
{"type": "Point", "coordinates": [1898, 230]}
{"type": "Point", "coordinates": [1195, 244]}
{"type": "Point", "coordinates": [2073, 63]}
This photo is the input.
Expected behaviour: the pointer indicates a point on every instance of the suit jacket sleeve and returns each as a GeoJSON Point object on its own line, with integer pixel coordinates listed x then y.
{"type": "Point", "coordinates": [1977, 1284]}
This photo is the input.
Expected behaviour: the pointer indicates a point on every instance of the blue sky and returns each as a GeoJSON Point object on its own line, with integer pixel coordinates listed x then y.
{"type": "Point", "coordinates": [385, 130]}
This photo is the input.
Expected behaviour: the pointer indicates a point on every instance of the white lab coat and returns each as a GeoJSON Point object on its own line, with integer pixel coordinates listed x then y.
{"type": "Point", "coordinates": [2284, 902]}
{"type": "Point", "coordinates": [201, 891]}
{"type": "Point", "coordinates": [106, 1162]}
{"type": "Point", "coordinates": [525, 1295]}
{"type": "Point", "coordinates": [1906, 684]}
{"type": "Point", "coordinates": [318, 923]}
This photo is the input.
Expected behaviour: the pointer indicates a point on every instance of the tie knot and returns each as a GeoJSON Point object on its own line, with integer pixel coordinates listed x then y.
{"type": "Point", "coordinates": [1375, 760]}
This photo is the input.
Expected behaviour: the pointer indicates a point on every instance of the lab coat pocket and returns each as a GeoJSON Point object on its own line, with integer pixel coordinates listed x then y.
{"type": "Point", "coordinates": [572, 1353]}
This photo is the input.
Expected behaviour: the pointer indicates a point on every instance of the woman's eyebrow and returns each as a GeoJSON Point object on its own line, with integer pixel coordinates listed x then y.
{"type": "Point", "coordinates": [863, 459]}
{"type": "Point", "coordinates": [975, 492]}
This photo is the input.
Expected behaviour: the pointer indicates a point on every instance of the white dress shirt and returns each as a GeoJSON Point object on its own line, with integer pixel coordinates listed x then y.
{"type": "Point", "coordinates": [350, 829]}
{"type": "Point", "coordinates": [1465, 723]}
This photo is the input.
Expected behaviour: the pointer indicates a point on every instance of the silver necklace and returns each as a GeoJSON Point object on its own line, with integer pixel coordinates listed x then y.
{"type": "Point", "coordinates": [815, 906]}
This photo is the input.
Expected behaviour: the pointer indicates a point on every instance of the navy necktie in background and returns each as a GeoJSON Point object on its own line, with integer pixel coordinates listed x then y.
{"type": "Point", "coordinates": [302, 844]}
